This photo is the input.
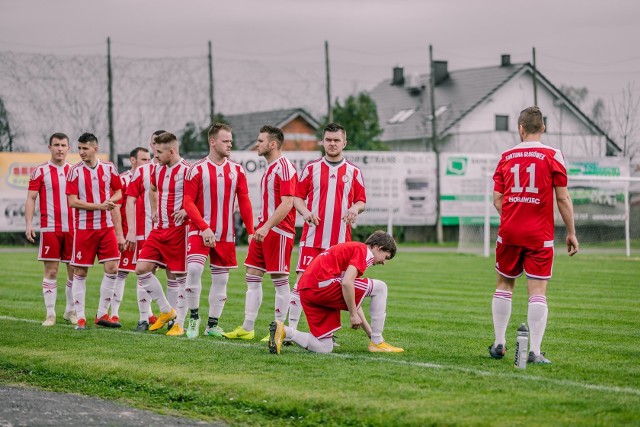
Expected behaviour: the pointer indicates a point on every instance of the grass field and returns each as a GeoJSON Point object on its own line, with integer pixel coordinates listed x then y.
{"type": "Point", "coordinates": [439, 310]}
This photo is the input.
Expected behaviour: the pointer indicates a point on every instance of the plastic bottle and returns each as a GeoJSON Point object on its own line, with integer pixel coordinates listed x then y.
{"type": "Point", "coordinates": [522, 346]}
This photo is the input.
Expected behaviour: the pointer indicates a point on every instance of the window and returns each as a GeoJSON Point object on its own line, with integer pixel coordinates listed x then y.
{"type": "Point", "coordinates": [502, 123]}
{"type": "Point", "coordinates": [401, 116]}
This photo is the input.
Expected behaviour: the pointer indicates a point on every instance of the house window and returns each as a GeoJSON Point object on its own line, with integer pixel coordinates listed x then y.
{"type": "Point", "coordinates": [502, 123]}
{"type": "Point", "coordinates": [401, 116]}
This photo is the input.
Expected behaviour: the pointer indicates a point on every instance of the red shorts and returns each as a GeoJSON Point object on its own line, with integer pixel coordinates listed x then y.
{"type": "Point", "coordinates": [512, 261]}
{"type": "Point", "coordinates": [272, 256]}
{"type": "Point", "coordinates": [306, 255]}
{"type": "Point", "coordinates": [222, 255]}
{"type": "Point", "coordinates": [128, 260]}
{"type": "Point", "coordinates": [56, 246]}
{"type": "Point", "coordinates": [322, 306]}
{"type": "Point", "coordinates": [166, 247]}
{"type": "Point", "coordinates": [89, 243]}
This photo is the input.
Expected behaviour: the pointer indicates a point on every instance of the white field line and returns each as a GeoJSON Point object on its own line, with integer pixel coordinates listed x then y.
{"type": "Point", "coordinates": [425, 365]}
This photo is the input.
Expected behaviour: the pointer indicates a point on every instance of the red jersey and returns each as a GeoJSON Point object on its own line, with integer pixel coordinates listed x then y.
{"type": "Point", "coordinates": [278, 180]}
{"type": "Point", "coordinates": [213, 188]}
{"type": "Point", "coordinates": [333, 263]}
{"type": "Point", "coordinates": [125, 179]}
{"type": "Point", "coordinates": [93, 185]}
{"type": "Point", "coordinates": [526, 176]}
{"type": "Point", "coordinates": [329, 191]}
{"type": "Point", "coordinates": [139, 188]}
{"type": "Point", "coordinates": [170, 184]}
{"type": "Point", "coordinates": [50, 182]}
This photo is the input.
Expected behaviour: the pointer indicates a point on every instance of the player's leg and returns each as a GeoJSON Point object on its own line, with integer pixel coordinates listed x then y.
{"type": "Point", "coordinates": [508, 266]}
{"type": "Point", "coordinates": [177, 329]}
{"type": "Point", "coordinates": [79, 293]}
{"type": "Point", "coordinates": [153, 288]}
{"type": "Point", "coordinates": [69, 311]}
{"type": "Point", "coordinates": [126, 265]}
{"type": "Point", "coordinates": [85, 248]}
{"type": "Point", "coordinates": [377, 289]}
{"type": "Point", "coordinates": [217, 299]}
{"type": "Point", "coordinates": [277, 255]}
{"type": "Point", "coordinates": [108, 256]}
{"type": "Point", "coordinates": [197, 254]}
{"type": "Point", "coordinates": [50, 291]}
{"type": "Point", "coordinates": [538, 264]}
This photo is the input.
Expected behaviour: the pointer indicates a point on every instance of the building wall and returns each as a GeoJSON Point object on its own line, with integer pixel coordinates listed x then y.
{"type": "Point", "coordinates": [299, 136]}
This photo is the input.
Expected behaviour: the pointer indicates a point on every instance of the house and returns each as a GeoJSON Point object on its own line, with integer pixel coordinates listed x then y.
{"type": "Point", "coordinates": [299, 128]}
{"type": "Point", "coordinates": [477, 109]}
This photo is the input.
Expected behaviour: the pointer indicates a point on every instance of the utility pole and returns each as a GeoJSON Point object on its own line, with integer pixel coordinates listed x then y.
{"type": "Point", "coordinates": [113, 156]}
{"type": "Point", "coordinates": [435, 143]}
{"type": "Point", "coordinates": [535, 79]}
{"type": "Point", "coordinates": [326, 63]}
{"type": "Point", "coordinates": [211, 101]}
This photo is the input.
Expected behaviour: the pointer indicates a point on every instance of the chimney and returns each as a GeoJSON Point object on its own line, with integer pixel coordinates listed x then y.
{"type": "Point", "coordinates": [440, 71]}
{"type": "Point", "coordinates": [505, 60]}
{"type": "Point", "coordinates": [398, 76]}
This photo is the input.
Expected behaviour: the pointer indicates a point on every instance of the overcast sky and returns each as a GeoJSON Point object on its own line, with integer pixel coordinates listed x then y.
{"type": "Point", "coordinates": [579, 43]}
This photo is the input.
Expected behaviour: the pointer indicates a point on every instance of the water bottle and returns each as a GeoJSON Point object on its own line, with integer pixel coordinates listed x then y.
{"type": "Point", "coordinates": [522, 345]}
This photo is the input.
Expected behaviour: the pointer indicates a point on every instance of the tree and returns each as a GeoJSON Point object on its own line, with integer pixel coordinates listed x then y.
{"type": "Point", "coordinates": [627, 121]}
{"type": "Point", "coordinates": [194, 139]}
{"type": "Point", "coordinates": [359, 116]}
{"type": "Point", "coordinates": [6, 136]}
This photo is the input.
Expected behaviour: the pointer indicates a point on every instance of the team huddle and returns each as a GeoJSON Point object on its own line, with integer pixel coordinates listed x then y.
{"type": "Point", "coordinates": [167, 213]}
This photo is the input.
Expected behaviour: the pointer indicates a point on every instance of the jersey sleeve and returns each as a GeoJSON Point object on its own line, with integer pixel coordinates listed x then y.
{"type": "Point", "coordinates": [72, 183]}
{"type": "Point", "coordinates": [498, 178]}
{"type": "Point", "coordinates": [192, 183]}
{"type": "Point", "coordinates": [35, 181]}
{"type": "Point", "coordinates": [115, 183]}
{"type": "Point", "coordinates": [288, 179]}
{"type": "Point", "coordinates": [359, 259]}
{"type": "Point", "coordinates": [242, 187]}
{"type": "Point", "coordinates": [359, 194]}
{"type": "Point", "coordinates": [558, 170]}
{"type": "Point", "coordinates": [304, 183]}
{"type": "Point", "coordinates": [134, 189]}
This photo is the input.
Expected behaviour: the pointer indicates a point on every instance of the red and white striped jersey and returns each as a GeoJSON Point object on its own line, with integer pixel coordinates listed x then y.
{"type": "Point", "coordinates": [329, 191]}
{"type": "Point", "coordinates": [213, 189]}
{"type": "Point", "coordinates": [170, 184]}
{"type": "Point", "coordinates": [278, 180]}
{"type": "Point", "coordinates": [125, 179]}
{"type": "Point", "coordinates": [333, 263]}
{"type": "Point", "coordinates": [93, 185]}
{"type": "Point", "coordinates": [139, 189]}
{"type": "Point", "coordinates": [50, 182]}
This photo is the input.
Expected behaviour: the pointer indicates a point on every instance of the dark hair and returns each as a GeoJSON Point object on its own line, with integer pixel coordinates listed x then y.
{"type": "Point", "coordinates": [384, 241]}
{"type": "Point", "coordinates": [58, 135]}
{"type": "Point", "coordinates": [217, 127]}
{"type": "Point", "coordinates": [135, 151]}
{"type": "Point", "coordinates": [334, 127]}
{"type": "Point", "coordinates": [87, 137]}
{"type": "Point", "coordinates": [165, 138]}
{"type": "Point", "coordinates": [274, 133]}
{"type": "Point", "coordinates": [158, 133]}
{"type": "Point", "coordinates": [531, 120]}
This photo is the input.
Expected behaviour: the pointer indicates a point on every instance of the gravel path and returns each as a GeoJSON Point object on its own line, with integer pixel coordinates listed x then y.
{"type": "Point", "coordinates": [26, 406]}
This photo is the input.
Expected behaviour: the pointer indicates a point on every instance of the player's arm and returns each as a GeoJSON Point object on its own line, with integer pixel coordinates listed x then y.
{"type": "Point", "coordinates": [131, 221]}
{"type": "Point", "coordinates": [29, 209]}
{"type": "Point", "coordinates": [497, 201]}
{"type": "Point", "coordinates": [153, 202]}
{"type": "Point", "coordinates": [563, 199]}
{"type": "Point", "coordinates": [352, 213]}
{"type": "Point", "coordinates": [365, 324]}
{"type": "Point", "coordinates": [246, 212]}
{"type": "Point", "coordinates": [76, 203]}
{"type": "Point", "coordinates": [349, 295]}
{"type": "Point", "coordinates": [117, 224]}
{"type": "Point", "coordinates": [308, 216]}
{"type": "Point", "coordinates": [278, 215]}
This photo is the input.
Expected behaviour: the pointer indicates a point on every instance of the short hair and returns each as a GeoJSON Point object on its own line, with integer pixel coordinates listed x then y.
{"type": "Point", "coordinates": [58, 135]}
{"type": "Point", "coordinates": [135, 151]}
{"type": "Point", "coordinates": [531, 120]}
{"type": "Point", "coordinates": [384, 240]}
{"type": "Point", "coordinates": [274, 133]}
{"type": "Point", "coordinates": [334, 127]}
{"type": "Point", "coordinates": [166, 138]}
{"type": "Point", "coordinates": [158, 133]}
{"type": "Point", "coordinates": [87, 137]}
{"type": "Point", "coordinates": [217, 127]}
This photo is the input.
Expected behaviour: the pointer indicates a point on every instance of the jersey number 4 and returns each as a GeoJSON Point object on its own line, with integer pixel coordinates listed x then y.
{"type": "Point", "coordinates": [517, 188]}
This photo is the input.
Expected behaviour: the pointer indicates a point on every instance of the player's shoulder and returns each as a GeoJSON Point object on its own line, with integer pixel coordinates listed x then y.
{"type": "Point", "coordinates": [76, 167]}
{"type": "Point", "coordinates": [311, 163]}
{"type": "Point", "coordinates": [185, 163]}
{"type": "Point", "coordinates": [126, 174]}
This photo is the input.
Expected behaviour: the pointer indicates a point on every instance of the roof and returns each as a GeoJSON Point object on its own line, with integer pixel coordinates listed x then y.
{"type": "Point", "coordinates": [246, 126]}
{"type": "Point", "coordinates": [460, 93]}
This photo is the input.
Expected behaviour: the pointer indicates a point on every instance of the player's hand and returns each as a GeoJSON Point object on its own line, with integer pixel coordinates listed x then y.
{"type": "Point", "coordinates": [351, 215]}
{"type": "Point", "coordinates": [122, 242]}
{"type": "Point", "coordinates": [154, 217]}
{"type": "Point", "coordinates": [312, 219]}
{"type": "Point", "coordinates": [111, 205]}
{"type": "Point", "coordinates": [130, 241]}
{"type": "Point", "coordinates": [179, 216]}
{"type": "Point", "coordinates": [31, 234]}
{"type": "Point", "coordinates": [260, 234]}
{"type": "Point", "coordinates": [249, 238]}
{"type": "Point", "coordinates": [572, 244]}
{"type": "Point", "coordinates": [209, 238]}
{"type": "Point", "coordinates": [355, 320]}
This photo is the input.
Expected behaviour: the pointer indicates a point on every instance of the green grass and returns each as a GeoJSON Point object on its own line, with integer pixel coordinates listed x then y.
{"type": "Point", "coordinates": [439, 310]}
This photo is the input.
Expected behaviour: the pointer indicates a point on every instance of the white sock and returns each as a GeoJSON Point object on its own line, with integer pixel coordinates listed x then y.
{"type": "Point", "coordinates": [118, 292]}
{"type": "Point", "coordinates": [378, 310]}
{"type": "Point", "coordinates": [173, 290]}
{"type": "Point", "coordinates": [501, 310]}
{"type": "Point", "coordinates": [107, 287]}
{"type": "Point", "coordinates": [68, 292]}
{"type": "Point", "coordinates": [193, 288]}
{"type": "Point", "coordinates": [537, 320]}
{"type": "Point", "coordinates": [283, 295]}
{"type": "Point", "coordinates": [79, 292]}
{"type": "Point", "coordinates": [252, 302]}
{"type": "Point", "coordinates": [309, 342]}
{"type": "Point", "coordinates": [218, 291]}
{"type": "Point", "coordinates": [50, 293]}
{"type": "Point", "coordinates": [181, 306]}
{"type": "Point", "coordinates": [295, 307]}
{"type": "Point", "coordinates": [153, 287]}
{"type": "Point", "coordinates": [144, 302]}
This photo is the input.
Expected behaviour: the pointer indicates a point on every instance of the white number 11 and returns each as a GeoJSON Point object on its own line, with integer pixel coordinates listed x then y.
{"type": "Point", "coordinates": [531, 188]}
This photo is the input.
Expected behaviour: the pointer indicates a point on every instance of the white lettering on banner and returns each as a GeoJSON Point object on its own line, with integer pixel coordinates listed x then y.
{"type": "Point", "coordinates": [516, 199]}
{"type": "Point", "coordinates": [520, 154]}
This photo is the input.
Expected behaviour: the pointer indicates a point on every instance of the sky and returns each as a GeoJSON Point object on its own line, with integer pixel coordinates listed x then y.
{"type": "Point", "coordinates": [578, 43]}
